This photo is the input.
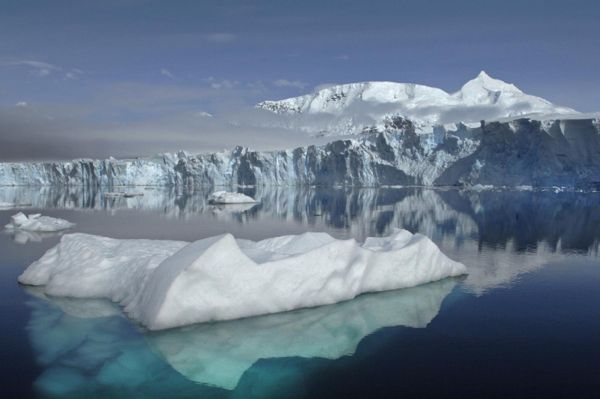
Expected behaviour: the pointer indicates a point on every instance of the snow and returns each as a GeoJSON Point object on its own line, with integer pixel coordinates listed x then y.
{"type": "Point", "coordinates": [164, 284]}
{"type": "Point", "coordinates": [224, 197]}
{"type": "Point", "coordinates": [37, 222]}
{"type": "Point", "coordinates": [351, 108]}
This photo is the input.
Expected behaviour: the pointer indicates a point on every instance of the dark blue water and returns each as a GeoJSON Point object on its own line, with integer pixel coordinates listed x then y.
{"type": "Point", "coordinates": [525, 322]}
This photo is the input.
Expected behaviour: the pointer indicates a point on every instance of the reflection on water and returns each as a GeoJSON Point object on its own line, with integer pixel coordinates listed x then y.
{"type": "Point", "coordinates": [219, 353]}
{"type": "Point", "coordinates": [88, 346]}
{"type": "Point", "coordinates": [499, 235]}
{"type": "Point", "coordinates": [564, 221]}
{"type": "Point", "coordinates": [88, 349]}
{"type": "Point", "coordinates": [24, 236]}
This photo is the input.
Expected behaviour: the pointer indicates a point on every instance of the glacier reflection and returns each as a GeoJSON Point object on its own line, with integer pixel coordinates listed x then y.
{"type": "Point", "coordinates": [498, 234]}
{"type": "Point", "coordinates": [563, 221]}
{"type": "Point", "coordinates": [87, 346]}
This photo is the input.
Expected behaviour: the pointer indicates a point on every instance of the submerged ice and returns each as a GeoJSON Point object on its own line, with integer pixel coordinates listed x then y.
{"type": "Point", "coordinates": [164, 284]}
{"type": "Point", "coordinates": [85, 343]}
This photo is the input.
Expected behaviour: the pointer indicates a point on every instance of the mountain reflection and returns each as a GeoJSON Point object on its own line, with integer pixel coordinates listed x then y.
{"type": "Point", "coordinates": [87, 346]}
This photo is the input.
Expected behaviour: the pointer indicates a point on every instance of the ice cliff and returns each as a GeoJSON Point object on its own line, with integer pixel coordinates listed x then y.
{"type": "Point", "coordinates": [518, 152]}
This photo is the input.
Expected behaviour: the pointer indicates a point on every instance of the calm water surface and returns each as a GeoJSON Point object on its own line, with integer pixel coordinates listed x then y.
{"type": "Point", "coordinates": [525, 322]}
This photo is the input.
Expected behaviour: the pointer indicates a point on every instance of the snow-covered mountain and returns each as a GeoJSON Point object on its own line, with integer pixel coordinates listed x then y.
{"type": "Point", "coordinates": [355, 107]}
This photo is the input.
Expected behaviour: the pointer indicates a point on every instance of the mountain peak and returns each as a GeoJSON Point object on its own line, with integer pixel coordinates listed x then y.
{"type": "Point", "coordinates": [483, 75]}
{"type": "Point", "coordinates": [485, 89]}
{"type": "Point", "coordinates": [354, 106]}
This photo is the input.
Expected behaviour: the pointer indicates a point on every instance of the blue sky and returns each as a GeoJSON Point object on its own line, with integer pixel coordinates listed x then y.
{"type": "Point", "coordinates": [116, 66]}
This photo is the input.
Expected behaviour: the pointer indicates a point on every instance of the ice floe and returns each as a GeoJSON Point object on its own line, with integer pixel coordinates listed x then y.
{"type": "Point", "coordinates": [164, 284]}
{"type": "Point", "coordinates": [37, 222]}
{"type": "Point", "coordinates": [224, 197]}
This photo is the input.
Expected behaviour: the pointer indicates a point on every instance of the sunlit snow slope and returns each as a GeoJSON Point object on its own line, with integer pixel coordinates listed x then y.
{"type": "Point", "coordinates": [355, 107]}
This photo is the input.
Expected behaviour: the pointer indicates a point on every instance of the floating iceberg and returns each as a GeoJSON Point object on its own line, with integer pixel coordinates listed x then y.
{"type": "Point", "coordinates": [164, 284]}
{"type": "Point", "coordinates": [224, 197]}
{"type": "Point", "coordinates": [37, 222]}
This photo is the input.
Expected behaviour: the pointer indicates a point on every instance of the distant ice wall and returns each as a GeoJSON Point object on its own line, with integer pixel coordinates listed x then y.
{"type": "Point", "coordinates": [520, 152]}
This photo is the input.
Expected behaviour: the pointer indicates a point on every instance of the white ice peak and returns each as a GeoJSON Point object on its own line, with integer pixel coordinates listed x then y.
{"type": "Point", "coordinates": [355, 104]}
{"type": "Point", "coordinates": [484, 90]}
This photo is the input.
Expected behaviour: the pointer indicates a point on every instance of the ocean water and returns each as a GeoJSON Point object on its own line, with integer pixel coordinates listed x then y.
{"type": "Point", "coordinates": [525, 321]}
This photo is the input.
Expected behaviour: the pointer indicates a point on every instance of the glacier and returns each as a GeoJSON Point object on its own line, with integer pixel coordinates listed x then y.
{"type": "Point", "coordinates": [488, 133]}
{"type": "Point", "coordinates": [521, 152]}
{"type": "Point", "coordinates": [165, 284]}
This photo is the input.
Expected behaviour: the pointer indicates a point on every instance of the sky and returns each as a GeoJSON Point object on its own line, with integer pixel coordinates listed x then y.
{"type": "Point", "coordinates": [135, 77]}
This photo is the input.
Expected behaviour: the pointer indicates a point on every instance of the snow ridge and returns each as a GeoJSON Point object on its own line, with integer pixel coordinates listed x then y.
{"type": "Point", "coordinates": [354, 107]}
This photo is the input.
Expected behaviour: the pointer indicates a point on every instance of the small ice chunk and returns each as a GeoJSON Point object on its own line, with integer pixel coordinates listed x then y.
{"type": "Point", "coordinates": [37, 222]}
{"type": "Point", "coordinates": [126, 194]}
{"type": "Point", "coordinates": [164, 284]}
{"type": "Point", "coordinates": [224, 197]}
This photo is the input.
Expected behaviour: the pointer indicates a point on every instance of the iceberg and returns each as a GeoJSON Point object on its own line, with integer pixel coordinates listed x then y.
{"type": "Point", "coordinates": [224, 197]}
{"type": "Point", "coordinates": [37, 222]}
{"type": "Point", "coordinates": [165, 284]}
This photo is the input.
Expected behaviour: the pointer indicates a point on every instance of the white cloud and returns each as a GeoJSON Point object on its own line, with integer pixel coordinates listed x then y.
{"type": "Point", "coordinates": [21, 104]}
{"type": "Point", "coordinates": [221, 84]}
{"type": "Point", "coordinates": [343, 57]}
{"type": "Point", "coordinates": [167, 73]}
{"type": "Point", "coordinates": [289, 83]}
{"type": "Point", "coordinates": [41, 69]}
{"type": "Point", "coordinates": [37, 68]}
{"type": "Point", "coordinates": [73, 74]}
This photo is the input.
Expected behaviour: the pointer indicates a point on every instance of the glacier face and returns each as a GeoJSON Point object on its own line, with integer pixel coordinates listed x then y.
{"type": "Point", "coordinates": [519, 152]}
{"type": "Point", "coordinates": [355, 107]}
{"type": "Point", "coordinates": [396, 156]}
{"type": "Point", "coordinates": [539, 154]}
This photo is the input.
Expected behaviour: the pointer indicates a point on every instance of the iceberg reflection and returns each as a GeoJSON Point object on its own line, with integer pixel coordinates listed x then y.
{"type": "Point", "coordinates": [87, 346]}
